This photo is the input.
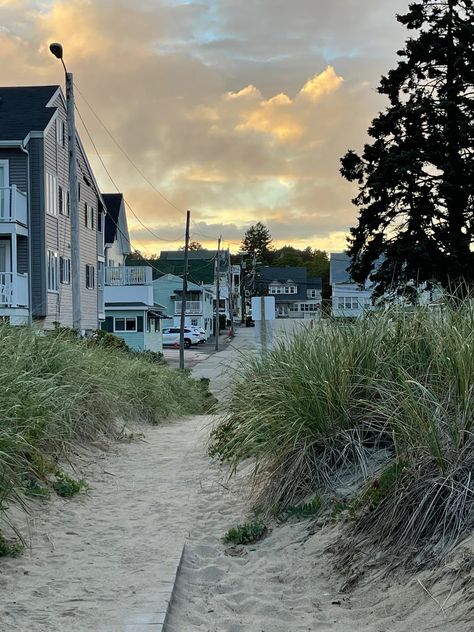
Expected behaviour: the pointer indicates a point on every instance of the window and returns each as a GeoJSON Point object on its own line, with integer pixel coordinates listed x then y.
{"type": "Point", "coordinates": [90, 277]}
{"type": "Point", "coordinates": [63, 201]}
{"type": "Point", "coordinates": [350, 302]}
{"type": "Point", "coordinates": [61, 132]}
{"type": "Point", "coordinates": [78, 191]}
{"type": "Point", "coordinates": [65, 269]}
{"type": "Point", "coordinates": [125, 324]}
{"type": "Point", "coordinates": [340, 303]}
{"type": "Point", "coordinates": [194, 322]}
{"type": "Point", "coordinates": [100, 221]}
{"type": "Point", "coordinates": [312, 294]}
{"type": "Point", "coordinates": [51, 194]}
{"type": "Point", "coordinates": [52, 263]}
{"type": "Point", "coordinates": [100, 275]}
{"type": "Point", "coordinates": [293, 289]}
{"type": "Point", "coordinates": [283, 289]}
{"type": "Point", "coordinates": [89, 216]}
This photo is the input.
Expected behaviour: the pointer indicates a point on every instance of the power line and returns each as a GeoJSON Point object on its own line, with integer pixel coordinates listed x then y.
{"type": "Point", "coordinates": [134, 165]}
{"type": "Point", "coordinates": [117, 188]}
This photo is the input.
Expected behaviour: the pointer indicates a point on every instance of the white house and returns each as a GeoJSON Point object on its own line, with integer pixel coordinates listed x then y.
{"type": "Point", "coordinates": [168, 291]}
{"type": "Point", "coordinates": [349, 299]}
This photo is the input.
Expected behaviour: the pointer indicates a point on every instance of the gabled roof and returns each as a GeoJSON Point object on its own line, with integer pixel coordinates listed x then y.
{"type": "Point", "coordinates": [177, 283]}
{"type": "Point", "coordinates": [267, 274]}
{"type": "Point", "coordinates": [315, 283]}
{"type": "Point", "coordinates": [24, 109]}
{"type": "Point", "coordinates": [338, 264]}
{"type": "Point", "coordinates": [113, 203]}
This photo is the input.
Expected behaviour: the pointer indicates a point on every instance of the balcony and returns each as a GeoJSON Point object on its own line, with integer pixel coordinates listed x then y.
{"type": "Point", "coordinates": [13, 289]}
{"type": "Point", "coordinates": [127, 285]}
{"type": "Point", "coordinates": [193, 308]}
{"type": "Point", "coordinates": [13, 206]}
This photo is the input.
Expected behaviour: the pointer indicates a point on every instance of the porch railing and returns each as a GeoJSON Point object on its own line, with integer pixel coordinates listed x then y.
{"type": "Point", "coordinates": [13, 205]}
{"type": "Point", "coordinates": [13, 289]}
{"type": "Point", "coordinates": [128, 275]}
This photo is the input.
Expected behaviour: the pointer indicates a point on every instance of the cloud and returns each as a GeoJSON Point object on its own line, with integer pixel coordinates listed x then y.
{"type": "Point", "coordinates": [238, 115]}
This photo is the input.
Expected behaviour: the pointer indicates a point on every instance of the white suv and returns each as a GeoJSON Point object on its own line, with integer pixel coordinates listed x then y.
{"type": "Point", "coordinates": [200, 331]}
{"type": "Point", "coordinates": [171, 337]}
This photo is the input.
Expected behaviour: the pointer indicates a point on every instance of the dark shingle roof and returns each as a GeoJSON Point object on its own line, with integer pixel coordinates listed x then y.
{"type": "Point", "coordinates": [113, 203]}
{"type": "Point", "coordinates": [23, 110]}
{"type": "Point", "coordinates": [315, 283]}
{"type": "Point", "coordinates": [269, 273]}
{"type": "Point", "coordinates": [339, 262]}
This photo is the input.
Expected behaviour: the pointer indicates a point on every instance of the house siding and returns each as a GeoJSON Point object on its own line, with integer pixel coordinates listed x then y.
{"type": "Point", "coordinates": [18, 167]}
{"type": "Point", "coordinates": [37, 229]}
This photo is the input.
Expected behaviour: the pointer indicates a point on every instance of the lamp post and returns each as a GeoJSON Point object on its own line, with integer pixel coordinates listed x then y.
{"type": "Point", "coordinates": [57, 50]}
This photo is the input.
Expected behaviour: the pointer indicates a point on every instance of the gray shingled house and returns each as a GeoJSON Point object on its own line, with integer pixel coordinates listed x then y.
{"type": "Point", "coordinates": [35, 223]}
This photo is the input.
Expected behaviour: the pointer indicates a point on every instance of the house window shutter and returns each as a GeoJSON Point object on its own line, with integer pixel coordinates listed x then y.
{"type": "Point", "coordinates": [139, 323]}
{"type": "Point", "coordinates": [108, 325]}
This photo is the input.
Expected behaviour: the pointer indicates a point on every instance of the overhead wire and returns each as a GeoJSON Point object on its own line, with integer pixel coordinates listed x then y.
{"type": "Point", "coordinates": [117, 187]}
{"type": "Point", "coordinates": [134, 165]}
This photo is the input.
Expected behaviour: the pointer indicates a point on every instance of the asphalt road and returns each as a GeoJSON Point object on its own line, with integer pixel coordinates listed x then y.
{"type": "Point", "coordinates": [195, 354]}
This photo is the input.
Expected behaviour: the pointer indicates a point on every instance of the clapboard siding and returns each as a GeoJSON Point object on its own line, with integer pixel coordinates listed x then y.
{"type": "Point", "coordinates": [17, 166]}
{"type": "Point", "coordinates": [22, 255]}
{"type": "Point", "coordinates": [39, 303]}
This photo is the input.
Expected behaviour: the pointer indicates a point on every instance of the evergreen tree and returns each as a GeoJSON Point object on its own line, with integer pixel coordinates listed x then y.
{"type": "Point", "coordinates": [416, 178]}
{"type": "Point", "coordinates": [257, 241]}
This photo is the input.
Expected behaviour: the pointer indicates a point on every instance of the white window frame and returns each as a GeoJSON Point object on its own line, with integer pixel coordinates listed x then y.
{"type": "Point", "coordinates": [65, 270]}
{"type": "Point", "coordinates": [64, 203]}
{"type": "Point", "coordinates": [89, 216]}
{"type": "Point", "coordinates": [51, 193]}
{"type": "Point", "coordinates": [125, 330]}
{"type": "Point", "coordinates": [60, 132]}
{"type": "Point", "coordinates": [52, 269]}
{"type": "Point", "coordinates": [90, 270]}
{"type": "Point", "coordinates": [194, 322]}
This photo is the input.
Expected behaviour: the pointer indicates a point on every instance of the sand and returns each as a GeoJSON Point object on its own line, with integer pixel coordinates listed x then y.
{"type": "Point", "coordinates": [100, 560]}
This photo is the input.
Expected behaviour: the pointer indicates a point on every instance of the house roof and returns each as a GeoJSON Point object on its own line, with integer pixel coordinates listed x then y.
{"type": "Point", "coordinates": [178, 283]}
{"type": "Point", "coordinates": [113, 202]}
{"type": "Point", "coordinates": [268, 274]}
{"type": "Point", "coordinates": [199, 271]}
{"type": "Point", "coordinates": [338, 264]}
{"type": "Point", "coordinates": [314, 283]}
{"type": "Point", "coordinates": [25, 109]}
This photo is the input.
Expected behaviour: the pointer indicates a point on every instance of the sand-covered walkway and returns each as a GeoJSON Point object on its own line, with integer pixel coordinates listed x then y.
{"type": "Point", "coordinates": [102, 562]}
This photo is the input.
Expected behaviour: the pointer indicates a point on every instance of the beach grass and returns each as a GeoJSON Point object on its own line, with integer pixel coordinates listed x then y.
{"type": "Point", "coordinates": [386, 402]}
{"type": "Point", "coordinates": [59, 392]}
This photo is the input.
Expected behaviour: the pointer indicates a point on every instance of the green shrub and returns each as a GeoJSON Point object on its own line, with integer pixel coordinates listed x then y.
{"type": "Point", "coordinates": [246, 533]}
{"type": "Point", "coordinates": [10, 548]}
{"type": "Point", "coordinates": [66, 486]}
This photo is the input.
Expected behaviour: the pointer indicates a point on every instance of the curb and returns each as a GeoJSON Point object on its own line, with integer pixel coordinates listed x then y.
{"type": "Point", "coordinates": [170, 601]}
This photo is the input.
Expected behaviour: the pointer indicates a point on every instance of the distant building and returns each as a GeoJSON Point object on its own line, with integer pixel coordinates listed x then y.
{"type": "Point", "coordinates": [349, 299]}
{"type": "Point", "coordinates": [168, 291]}
{"type": "Point", "coordinates": [130, 309]}
{"type": "Point", "coordinates": [296, 294]}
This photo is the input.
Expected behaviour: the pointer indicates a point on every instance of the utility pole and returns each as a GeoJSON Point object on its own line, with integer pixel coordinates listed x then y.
{"type": "Point", "coordinates": [57, 51]}
{"type": "Point", "coordinates": [218, 296]}
{"type": "Point", "coordinates": [231, 297]}
{"type": "Point", "coordinates": [185, 291]}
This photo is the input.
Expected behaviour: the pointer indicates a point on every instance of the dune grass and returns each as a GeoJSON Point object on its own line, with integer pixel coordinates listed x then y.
{"type": "Point", "coordinates": [387, 400]}
{"type": "Point", "coordinates": [59, 392]}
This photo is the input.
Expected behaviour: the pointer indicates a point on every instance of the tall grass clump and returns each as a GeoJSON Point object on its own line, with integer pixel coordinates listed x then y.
{"type": "Point", "coordinates": [388, 401]}
{"type": "Point", "coordinates": [58, 392]}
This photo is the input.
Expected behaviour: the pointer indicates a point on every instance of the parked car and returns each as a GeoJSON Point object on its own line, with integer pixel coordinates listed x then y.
{"type": "Point", "coordinates": [202, 333]}
{"type": "Point", "coordinates": [171, 337]}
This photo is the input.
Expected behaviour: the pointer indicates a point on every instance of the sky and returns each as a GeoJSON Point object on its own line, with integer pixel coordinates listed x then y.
{"type": "Point", "coordinates": [238, 110]}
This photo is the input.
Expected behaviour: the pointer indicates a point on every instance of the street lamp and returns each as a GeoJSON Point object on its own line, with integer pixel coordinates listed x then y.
{"type": "Point", "coordinates": [57, 50]}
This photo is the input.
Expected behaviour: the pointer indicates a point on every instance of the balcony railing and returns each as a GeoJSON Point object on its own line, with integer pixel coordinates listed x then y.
{"type": "Point", "coordinates": [192, 307]}
{"type": "Point", "coordinates": [13, 289]}
{"type": "Point", "coordinates": [128, 275]}
{"type": "Point", "coordinates": [13, 205]}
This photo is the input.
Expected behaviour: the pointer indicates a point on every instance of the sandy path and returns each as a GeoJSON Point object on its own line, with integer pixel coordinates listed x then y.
{"type": "Point", "coordinates": [97, 561]}
{"type": "Point", "coordinates": [287, 582]}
